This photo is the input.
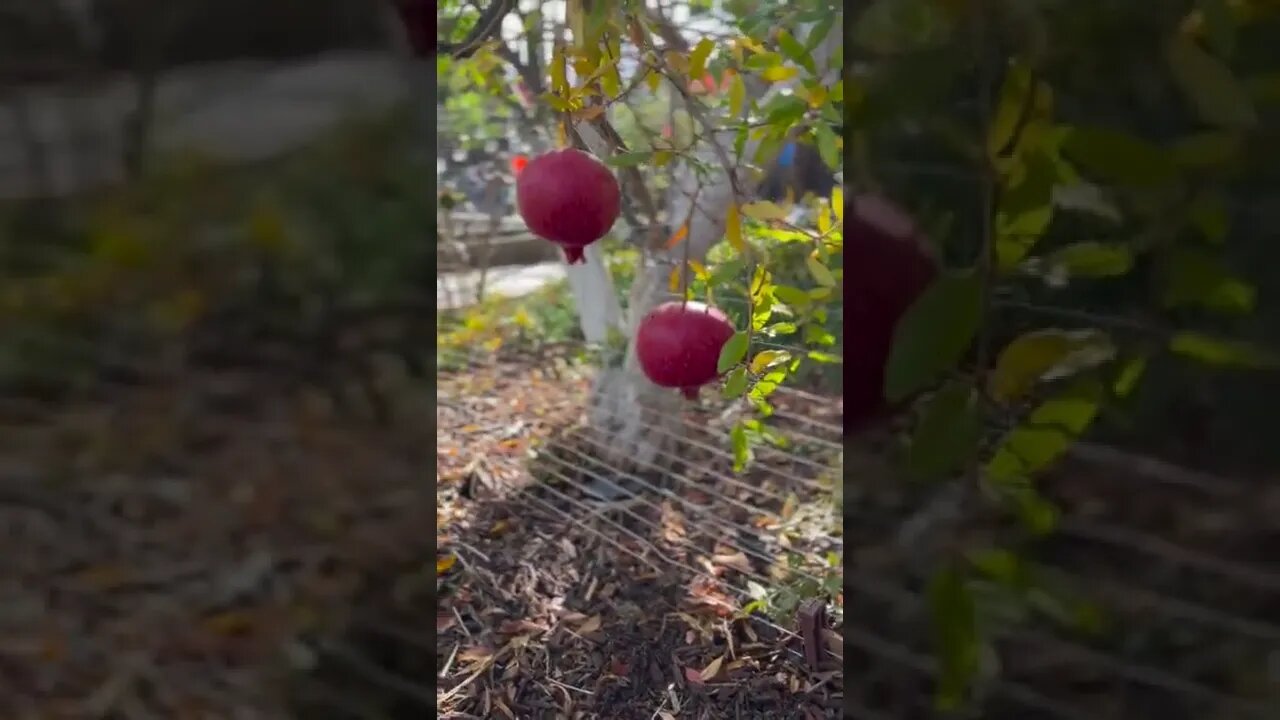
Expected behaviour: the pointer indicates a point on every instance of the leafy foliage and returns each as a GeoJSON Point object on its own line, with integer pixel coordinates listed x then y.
{"type": "Point", "coordinates": [1091, 234]}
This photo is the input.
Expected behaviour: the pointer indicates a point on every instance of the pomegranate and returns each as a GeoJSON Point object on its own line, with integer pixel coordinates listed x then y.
{"type": "Point", "coordinates": [568, 197]}
{"type": "Point", "coordinates": [886, 268]}
{"type": "Point", "coordinates": [419, 20]}
{"type": "Point", "coordinates": [678, 345]}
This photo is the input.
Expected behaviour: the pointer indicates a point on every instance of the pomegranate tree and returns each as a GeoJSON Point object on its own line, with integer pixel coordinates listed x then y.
{"type": "Point", "coordinates": [678, 345]}
{"type": "Point", "coordinates": [886, 268]}
{"type": "Point", "coordinates": [569, 198]}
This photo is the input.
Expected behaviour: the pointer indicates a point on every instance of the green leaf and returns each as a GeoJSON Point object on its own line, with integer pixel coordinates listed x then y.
{"type": "Point", "coordinates": [948, 435]}
{"type": "Point", "coordinates": [934, 334]}
{"type": "Point", "coordinates": [1206, 150]}
{"type": "Point", "coordinates": [736, 383]}
{"type": "Point", "coordinates": [1010, 109]}
{"type": "Point", "coordinates": [1025, 210]}
{"type": "Point", "coordinates": [792, 296]}
{"type": "Point", "coordinates": [822, 357]}
{"type": "Point", "coordinates": [827, 149]}
{"type": "Point", "coordinates": [629, 159]}
{"type": "Point", "coordinates": [797, 52]}
{"type": "Point", "coordinates": [737, 100]}
{"type": "Point", "coordinates": [1192, 277]}
{"type": "Point", "coordinates": [1045, 435]}
{"type": "Point", "coordinates": [1216, 351]}
{"type": "Point", "coordinates": [741, 447]}
{"type": "Point", "coordinates": [819, 271]}
{"type": "Point", "coordinates": [1128, 377]}
{"type": "Point", "coordinates": [1120, 158]}
{"type": "Point", "coordinates": [1210, 86]}
{"type": "Point", "coordinates": [1046, 354]}
{"type": "Point", "coordinates": [733, 351]}
{"type": "Point", "coordinates": [955, 630]}
{"type": "Point", "coordinates": [1000, 565]}
{"type": "Point", "coordinates": [784, 110]}
{"type": "Point", "coordinates": [1208, 212]}
{"type": "Point", "coordinates": [1091, 260]}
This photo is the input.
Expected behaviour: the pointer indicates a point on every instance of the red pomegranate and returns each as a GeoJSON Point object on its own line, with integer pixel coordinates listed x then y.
{"type": "Point", "coordinates": [678, 345]}
{"type": "Point", "coordinates": [568, 197]}
{"type": "Point", "coordinates": [886, 267]}
{"type": "Point", "coordinates": [419, 20]}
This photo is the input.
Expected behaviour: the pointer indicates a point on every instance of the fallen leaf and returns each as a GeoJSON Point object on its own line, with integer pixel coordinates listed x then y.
{"type": "Point", "coordinates": [693, 676]}
{"type": "Point", "coordinates": [712, 669]}
{"type": "Point", "coordinates": [737, 561]}
{"type": "Point", "coordinates": [619, 668]}
{"type": "Point", "coordinates": [444, 621]}
{"type": "Point", "coordinates": [591, 625]}
{"type": "Point", "coordinates": [444, 563]}
{"type": "Point", "coordinates": [475, 654]}
{"type": "Point", "coordinates": [232, 622]}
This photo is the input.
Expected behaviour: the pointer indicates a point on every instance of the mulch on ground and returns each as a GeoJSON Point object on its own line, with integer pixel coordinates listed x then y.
{"type": "Point", "coordinates": [557, 605]}
{"type": "Point", "coordinates": [174, 551]}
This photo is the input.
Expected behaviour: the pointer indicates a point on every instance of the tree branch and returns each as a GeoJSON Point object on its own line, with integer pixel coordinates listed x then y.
{"type": "Point", "coordinates": [486, 28]}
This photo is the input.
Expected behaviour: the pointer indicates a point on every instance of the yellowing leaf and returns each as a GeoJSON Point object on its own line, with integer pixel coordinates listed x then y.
{"type": "Point", "coordinates": [737, 96]}
{"type": "Point", "coordinates": [559, 72]}
{"type": "Point", "coordinates": [1046, 354]}
{"type": "Point", "coordinates": [733, 228]}
{"type": "Point", "coordinates": [824, 219]}
{"type": "Point", "coordinates": [673, 282]}
{"type": "Point", "coordinates": [764, 211]}
{"type": "Point", "coordinates": [766, 358]}
{"type": "Point", "coordinates": [653, 80]}
{"type": "Point", "coordinates": [444, 563]}
{"type": "Point", "coordinates": [837, 203]}
{"type": "Point", "coordinates": [819, 271]}
{"type": "Point", "coordinates": [698, 58]}
{"type": "Point", "coordinates": [699, 270]}
{"type": "Point", "coordinates": [778, 73]}
{"type": "Point", "coordinates": [562, 134]}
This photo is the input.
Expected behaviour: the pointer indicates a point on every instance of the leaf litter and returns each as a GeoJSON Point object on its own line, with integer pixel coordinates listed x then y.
{"type": "Point", "coordinates": [590, 627]}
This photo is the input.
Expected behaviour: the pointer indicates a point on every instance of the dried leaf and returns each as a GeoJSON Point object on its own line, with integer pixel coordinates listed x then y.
{"type": "Point", "coordinates": [591, 625]}
{"type": "Point", "coordinates": [588, 113]}
{"type": "Point", "coordinates": [232, 622]}
{"type": "Point", "coordinates": [693, 676]}
{"type": "Point", "coordinates": [444, 563]}
{"type": "Point", "coordinates": [711, 670]}
{"type": "Point", "coordinates": [680, 234]}
{"type": "Point", "coordinates": [737, 561]}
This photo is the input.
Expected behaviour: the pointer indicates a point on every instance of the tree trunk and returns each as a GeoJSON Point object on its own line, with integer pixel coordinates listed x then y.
{"type": "Point", "coordinates": [635, 415]}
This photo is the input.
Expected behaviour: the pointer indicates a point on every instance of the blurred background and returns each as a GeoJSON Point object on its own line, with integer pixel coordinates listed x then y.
{"type": "Point", "coordinates": [215, 242]}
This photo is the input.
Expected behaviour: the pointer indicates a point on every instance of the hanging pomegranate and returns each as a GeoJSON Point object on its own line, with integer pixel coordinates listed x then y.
{"type": "Point", "coordinates": [678, 345]}
{"type": "Point", "coordinates": [886, 268]}
{"type": "Point", "coordinates": [569, 198]}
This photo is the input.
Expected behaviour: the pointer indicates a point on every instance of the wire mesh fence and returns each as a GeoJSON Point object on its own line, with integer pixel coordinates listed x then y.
{"type": "Point", "coordinates": [684, 516]}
